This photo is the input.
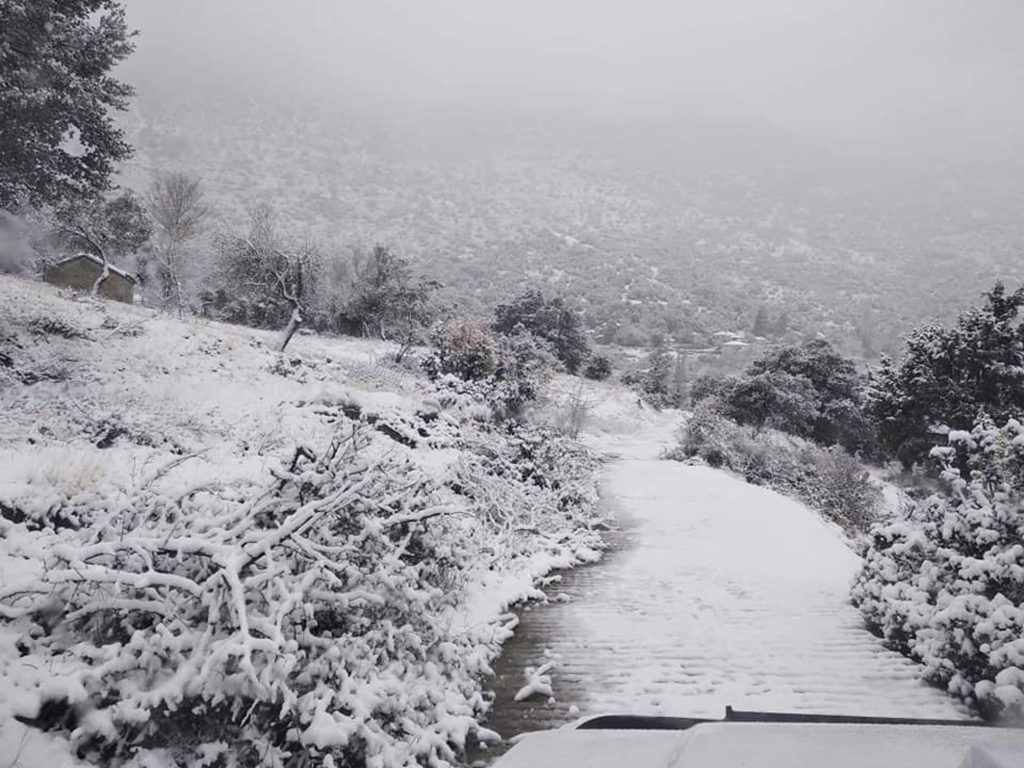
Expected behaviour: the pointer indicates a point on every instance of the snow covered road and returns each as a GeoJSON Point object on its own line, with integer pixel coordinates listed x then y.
{"type": "Point", "coordinates": [717, 593]}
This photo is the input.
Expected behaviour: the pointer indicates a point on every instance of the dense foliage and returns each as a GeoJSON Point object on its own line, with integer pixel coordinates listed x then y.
{"type": "Point", "coordinates": [462, 349]}
{"type": "Point", "coordinates": [58, 140]}
{"type": "Point", "coordinates": [598, 368]}
{"type": "Point", "coordinates": [549, 319]}
{"type": "Point", "coordinates": [945, 585]}
{"type": "Point", "coordinates": [947, 376]}
{"type": "Point", "coordinates": [507, 374]}
{"type": "Point", "coordinates": [391, 300]}
{"type": "Point", "coordinates": [656, 380]}
{"type": "Point", "coordinates": [808, 390]}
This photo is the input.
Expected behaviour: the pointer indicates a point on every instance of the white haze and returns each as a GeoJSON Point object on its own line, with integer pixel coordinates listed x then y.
{"type": "Point", "coordinates": [940, 78]}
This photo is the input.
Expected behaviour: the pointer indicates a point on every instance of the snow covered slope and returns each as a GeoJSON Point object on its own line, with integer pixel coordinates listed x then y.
{"type": "Point", "coordinates": [139, 450]}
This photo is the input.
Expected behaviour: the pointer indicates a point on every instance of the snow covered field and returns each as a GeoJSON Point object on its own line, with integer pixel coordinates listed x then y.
{"type": "Point", "coordinates": [721, 593]}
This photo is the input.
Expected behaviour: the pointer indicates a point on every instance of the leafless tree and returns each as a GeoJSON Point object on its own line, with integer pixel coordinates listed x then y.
{"type": "Point", "coordinates": [176, 203]}
{"type": "Point", "coordinates": [267, 270]}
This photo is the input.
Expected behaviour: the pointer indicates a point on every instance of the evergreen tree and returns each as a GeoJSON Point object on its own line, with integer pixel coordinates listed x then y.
{"type": "Point", "coordinates": [949, 375]}
{"type": "Point", "coordinates": [548, 319]}
{"type": "Point", "coordinates": [808, 390]}
{"type": "Point", "coordinates": [58, 142]}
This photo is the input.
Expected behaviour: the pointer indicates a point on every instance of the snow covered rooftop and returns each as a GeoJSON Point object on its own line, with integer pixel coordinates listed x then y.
{"type": "Point", "coordinates": [97, 260]}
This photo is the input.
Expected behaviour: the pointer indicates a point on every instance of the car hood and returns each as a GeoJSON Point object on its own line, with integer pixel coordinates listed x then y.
{"type": "Point", "coordinates": [772, 745]}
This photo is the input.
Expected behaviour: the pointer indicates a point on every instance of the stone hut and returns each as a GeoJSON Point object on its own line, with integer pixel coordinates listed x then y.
{"type": "Point", "coordinates": [82, 271]}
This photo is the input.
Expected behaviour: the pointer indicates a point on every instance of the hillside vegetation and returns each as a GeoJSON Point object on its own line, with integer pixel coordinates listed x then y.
{"type": "Point", "coordinates": [215, 551]}
{"type": "Point", "coordinates": [659, 230]}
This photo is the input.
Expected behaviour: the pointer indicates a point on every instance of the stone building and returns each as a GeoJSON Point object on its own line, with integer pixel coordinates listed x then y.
{"type": "Point", "coordinates": [82, 271]}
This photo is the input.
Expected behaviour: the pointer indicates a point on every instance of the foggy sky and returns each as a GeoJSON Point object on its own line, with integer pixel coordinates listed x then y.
{"type": "Point", "coordinates": [947, 73]}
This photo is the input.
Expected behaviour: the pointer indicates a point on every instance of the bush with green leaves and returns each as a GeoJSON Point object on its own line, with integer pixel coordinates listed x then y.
{"type": "Point", "coordinates": [945, 584]}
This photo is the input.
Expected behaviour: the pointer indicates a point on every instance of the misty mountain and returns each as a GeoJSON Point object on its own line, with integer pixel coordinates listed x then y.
{"type": "Point", "coordinates": [658, 226]}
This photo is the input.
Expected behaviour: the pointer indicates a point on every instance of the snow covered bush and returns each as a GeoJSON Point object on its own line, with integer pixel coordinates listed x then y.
{"type": "Point", "coordinates": [946, 584]}
{"type": "Point", "coordinates": [305, 620]}
{"type": "Point", "coordinates": [551, 319]}
{"type": "Point", "coordinates": [300, 618]}
{"type": "Point", "coordinates": [204, 563]}
{"type": "Point", "coordinates": [598, 368]}
{"type": "Point", "coordinates": [464, 349]}
{"type": "Point", "coordinates": [947, 376]}
{"type": "Point", "coordinates": [522, 364]}
{"type": "Point", "coordinates": [807, 390]}
{"type": "Point", "coordinates": [828, 480]}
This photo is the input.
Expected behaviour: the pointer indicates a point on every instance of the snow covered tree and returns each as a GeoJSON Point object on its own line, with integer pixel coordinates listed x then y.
{"type": "Point", "coordinates": [947, 376]}
{"type": "Point", "coordinates": [266, 281]}
{"type": "Point", "coordinates": [58, 141]}
{"type": "Point", "coordinates": [548, 319]}
{"type": "Point", "coordinates": [654, 380]}
{"type": "Point", "coordinates": [392, 301]}
{"type": "Point", "coordinates": [946, 584]}
{"type": "Point", "coordinates": [106, 227]}
{"type": "Point", "coordinates": [807, 390]}
{"type": "Point", "coordinates": [175, 202]}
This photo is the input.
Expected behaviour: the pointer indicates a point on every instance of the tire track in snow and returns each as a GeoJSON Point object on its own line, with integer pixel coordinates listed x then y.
{"type": "Point", "coordinates": [715, 592]}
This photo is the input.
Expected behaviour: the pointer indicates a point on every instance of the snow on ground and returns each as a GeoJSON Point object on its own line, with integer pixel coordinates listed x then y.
{"type": "Point", "coordinates": [96, 398]}
{"type": "Point", "coordinates": [719, 593]}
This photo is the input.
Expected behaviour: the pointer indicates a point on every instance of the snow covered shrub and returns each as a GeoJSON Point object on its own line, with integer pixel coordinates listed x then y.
{"type": "Point", "coordinates": [523, 363]}
{"type": "Point", "coordinates": [843, 488]}
{"type": "Point", "coordinates": [807, 390]}
{"type": "Point", "coordinates": [464, 349]}
{"type": "Point", "coordinates": [598, 368]}
{"type": "Point", "coordinates": [549, 319]}
{"type": "Point", "coordinates": [200, 616]}
{"type": "Point", "coordinates": [535, 485]}
{"type": "Point", "coordinates": [946, 584]}
{"type": "Point", "coordinates": [828, 480]}
{"type": "Point", "coordinates": [56, 326]}
{"type": "Point", "coordinates": [657, 380]}
{"type": "Point", "coordinates": [273, 626]}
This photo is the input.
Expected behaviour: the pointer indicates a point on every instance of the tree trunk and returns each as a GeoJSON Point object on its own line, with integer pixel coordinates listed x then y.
{"type": "Point", "coordinates": [103, 276]}
{"type": "Point", "coordinates": [293, 325]}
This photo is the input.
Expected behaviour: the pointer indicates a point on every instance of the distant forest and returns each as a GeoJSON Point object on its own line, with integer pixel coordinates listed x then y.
{"type": "Point", "coordinates": [654, 235]}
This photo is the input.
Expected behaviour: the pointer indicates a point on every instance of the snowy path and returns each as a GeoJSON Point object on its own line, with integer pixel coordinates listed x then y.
{"type": "Point", "coordinates": [720, 593]}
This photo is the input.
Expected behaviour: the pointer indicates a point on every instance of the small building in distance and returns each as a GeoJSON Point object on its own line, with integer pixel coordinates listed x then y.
{"type": "Point", "coordinates": [83, 270]}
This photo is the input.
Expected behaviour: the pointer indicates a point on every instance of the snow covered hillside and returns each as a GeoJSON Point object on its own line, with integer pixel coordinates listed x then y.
{"type": "Point", "coordinates": [215, 552]}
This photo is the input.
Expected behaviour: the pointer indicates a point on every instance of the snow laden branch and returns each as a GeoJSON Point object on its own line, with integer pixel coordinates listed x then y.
{"type": "Point", "coordinates": [290, 623]}
{"type": "Point", "coordinates": [316, 618]}
{"type": "Point", "coordinates": [945, 585]}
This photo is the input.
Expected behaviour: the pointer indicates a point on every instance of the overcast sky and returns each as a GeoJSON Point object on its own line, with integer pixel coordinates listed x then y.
{"type": "Point", "coordinates": [941, 69]}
